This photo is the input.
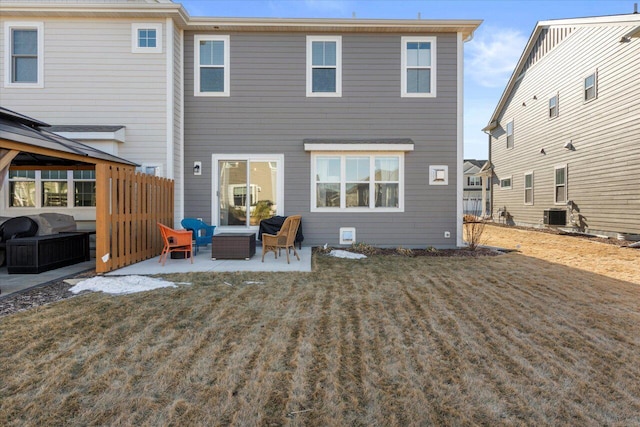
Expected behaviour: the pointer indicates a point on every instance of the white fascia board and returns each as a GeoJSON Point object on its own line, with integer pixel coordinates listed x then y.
{"type": "Point", "coordinates": [357, 147]}
{"type": "Point", "coordinates": [118, 135]}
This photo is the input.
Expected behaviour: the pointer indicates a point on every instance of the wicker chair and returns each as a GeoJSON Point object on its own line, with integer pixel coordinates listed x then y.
{"type": "Point", "coordinates": [284, 239]}
{"type": "Point", "coordinates": [175, 241]}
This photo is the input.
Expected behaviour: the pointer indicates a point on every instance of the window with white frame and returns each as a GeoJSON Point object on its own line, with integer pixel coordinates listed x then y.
{"type": "Point", "coordinates": [358, 182]}
{"type": "Point", "coordinates": [54, 188]}
{"type": "Point", "coordinates": [418, 77]}
{"type": "Point", "coordinates": [591, 86]}
{"type": "Point", "coordinates": [146, 38]}
{"type": "Point", "coordinates": [528, 188]}
{"type": "Point", "coordinates": [510, 139]}
{"type": "Point", "coordinates": [560, 184]}
{"type": "Point", "coordinates": [324, 66]}
{"type": "Point", "coordinates": [211, 68]}
{"type": "Point", "coordinates": [505, 183]}
{"type": "Point", "coordinates": [24, 54]}
{"type": "Point", "coordinates": [474, 181]}
{"type": "Point", "coordinates": [553, 106]}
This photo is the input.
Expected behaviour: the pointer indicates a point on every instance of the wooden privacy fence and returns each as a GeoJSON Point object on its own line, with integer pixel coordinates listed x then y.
{"type": "Point", "coordinates": [128, 206]}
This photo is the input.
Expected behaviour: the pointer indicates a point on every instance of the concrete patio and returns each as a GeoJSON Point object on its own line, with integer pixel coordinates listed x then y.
{"type": "Point", "coordinates": [12, 283]}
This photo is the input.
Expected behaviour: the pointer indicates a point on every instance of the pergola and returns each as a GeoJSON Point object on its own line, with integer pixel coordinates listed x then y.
{"type": "Point", "coordinates": [126, 210]}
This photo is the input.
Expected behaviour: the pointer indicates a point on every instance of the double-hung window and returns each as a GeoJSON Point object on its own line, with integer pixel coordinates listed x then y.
{"type": "Point", "coordinates": [24, 44]}
{"type": "Point", "coordinates": [528, 188]}
{"type": "Point", "coordinates": [591, 86]}
{"type": "Point", "coordinates": [324, 66]}
{"type": "Point", "coordinates": [211, 66]}
{"type": "Point", "coordinates": [560, 184]}
{"type": "Point", "coordinates": [358, 182]}
{"type": "Point", "coordinates": [510, 138]}
{"type": "Point", "coordinates": [146, 38]}
{"type": "Point", "coordinates": [22, 188]}
{"type": "Point", "coordinates": [553, 106]}
{"type": "Point", "coordinates": [84, 187]}
{"type": "Point", "coordinates": [418, 77]}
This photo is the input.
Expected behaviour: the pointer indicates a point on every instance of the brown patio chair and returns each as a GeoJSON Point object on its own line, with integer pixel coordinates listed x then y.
{"type": "Point", "coordinates": [175, 241]}
{"type": "Point", "coordinates": [284, 239]}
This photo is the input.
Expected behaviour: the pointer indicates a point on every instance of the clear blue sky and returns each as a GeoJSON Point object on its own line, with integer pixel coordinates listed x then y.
{"type": "Point", "coordinates": [489, 58]}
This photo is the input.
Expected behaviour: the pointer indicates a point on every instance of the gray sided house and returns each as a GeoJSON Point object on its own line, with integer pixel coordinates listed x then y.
{"type": "Point", "coordinates": [565, 136]}
{"type": "Point", "coordinates": [351, 123]}
{"type": "Point", "coordinates": [354, 124]}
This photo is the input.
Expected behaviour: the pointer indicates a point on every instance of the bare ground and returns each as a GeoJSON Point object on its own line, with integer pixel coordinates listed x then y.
{"type": "Point", "coordinates": [509, 340]}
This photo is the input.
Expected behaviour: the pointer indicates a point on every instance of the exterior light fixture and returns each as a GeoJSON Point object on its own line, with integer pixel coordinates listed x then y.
{"type": "Point", "coordinates": [197, 168]}
{"type": "Point", "coordinates": [569, 146]}
{"type": "Point", "coordinates": [542, 151]}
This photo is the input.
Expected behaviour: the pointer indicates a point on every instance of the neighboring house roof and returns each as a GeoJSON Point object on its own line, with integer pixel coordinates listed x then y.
{"type": "Point", "coordinates": [84, 128]}
{"type": "Point", "coordinates": [478, 163]}
{"type": "Point", "coordinates": [26, 130]}
{"type": "Point", "coordinates": [163, 9]}
{"type": "Point", "coordinates": [565, 26]}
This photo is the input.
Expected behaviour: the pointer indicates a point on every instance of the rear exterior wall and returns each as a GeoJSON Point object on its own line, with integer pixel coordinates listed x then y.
{"type": "Point", "coordinates": [268, 113]}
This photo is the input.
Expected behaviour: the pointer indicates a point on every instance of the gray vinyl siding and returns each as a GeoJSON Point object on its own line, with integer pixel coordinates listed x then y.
{"type": "Point", "coordinates": [178, 107]}
{"type": "Point", "coordinates": [603, 172]}
{"type": "Point", "coordinates": [268, 112]}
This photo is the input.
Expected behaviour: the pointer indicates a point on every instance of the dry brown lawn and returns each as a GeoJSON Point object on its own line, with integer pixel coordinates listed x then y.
{"type": "Point", "coordinates": [387, 341]}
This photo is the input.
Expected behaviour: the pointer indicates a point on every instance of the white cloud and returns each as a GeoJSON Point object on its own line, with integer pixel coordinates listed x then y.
{"type": "Point", "coordinates": [493, 54]}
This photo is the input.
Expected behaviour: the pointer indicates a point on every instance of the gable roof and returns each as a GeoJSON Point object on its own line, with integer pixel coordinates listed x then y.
{"type": "Point", "coordinates": [564, 27]}
{"type": "Point", "coordinates": [25, 130]}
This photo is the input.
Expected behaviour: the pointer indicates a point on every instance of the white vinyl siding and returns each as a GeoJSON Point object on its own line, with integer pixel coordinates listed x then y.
{"type": "Point", "coordinates": [211, 67]}
{"type": "Point", "coordinates": [324, 66]}
{"type": "Point", "coordinates": [358, 182]}
{"type": "Point", "coordinates": [24, 54]}
{"type": "Point", "coordinates": [418, 77]}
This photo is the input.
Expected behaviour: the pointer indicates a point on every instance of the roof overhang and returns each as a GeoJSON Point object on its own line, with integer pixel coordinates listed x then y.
{"type": "Point", "coordinates": [384, 144]}
{"type": "Point", "coordinates": [226, 25]}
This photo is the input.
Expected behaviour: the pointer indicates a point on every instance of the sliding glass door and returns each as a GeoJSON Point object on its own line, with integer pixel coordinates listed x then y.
{"type": "Point", "coordinates": [247, 189]}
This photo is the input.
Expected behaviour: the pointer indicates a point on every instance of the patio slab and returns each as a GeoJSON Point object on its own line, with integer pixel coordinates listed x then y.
{"type": "Point", "coordinates": [203, 263]}
{"type": "Point", "coordinates": [12, 283]}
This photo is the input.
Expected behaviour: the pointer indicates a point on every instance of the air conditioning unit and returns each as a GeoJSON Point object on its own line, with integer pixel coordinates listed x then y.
{"type": "Point", "coordinates": [555, 217]}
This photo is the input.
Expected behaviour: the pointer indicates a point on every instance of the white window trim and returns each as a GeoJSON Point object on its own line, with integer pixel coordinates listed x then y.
{"type": "Point", "coordinates": [28, 210]}
{"type": "Point", "coordinates": [557, 97]}
{"type": "Point", "coordinates": [595, 86]}
{"type": "Point", "coordinates": [403, 76]}
{"type": "Point", "coordinates": [531, 203]}
{"type": "Point", "coordinates": [39, 27]}
{"type": "Point", "coordinates": [343, 155]}
{"type": "Point", "coordinates": [513, 134]}
{"type": "Point", "coordinates": [338, 41]}
{"type": "Point", "coordinates": [510, 178]}
{"type": "Point", "coordinates": [196, 64]}
{"type": "Point", "coordinates": [566, 184]}
{"type": "Point", "coordinates": [215, 178]}
{"type": "Point", "coordinates": [146, 26]}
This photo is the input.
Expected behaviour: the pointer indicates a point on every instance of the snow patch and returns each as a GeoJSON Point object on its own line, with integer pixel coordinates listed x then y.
{"type": "Point", "coordinates": [345, 254]}
{"type": "Point", "coordinates": [121, 285]}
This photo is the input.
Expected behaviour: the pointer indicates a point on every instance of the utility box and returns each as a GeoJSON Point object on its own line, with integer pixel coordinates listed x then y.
{"type": "Point", "coordinates": [557, 217]}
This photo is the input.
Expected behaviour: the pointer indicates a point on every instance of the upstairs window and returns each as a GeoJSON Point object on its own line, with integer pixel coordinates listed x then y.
{"type": "Point", "coordinates": [146, 38]}
{"type": "Point", "coordinates": [510, 134]}
{"type": "Point", "coordinates": [591, 87]}
{"type": "Point", "coordinates": [211, 66]}
{"type": "Point", "coordinates": [505, 183]}
{"type": "Point", "coordinates": [418, 67]}
{"type": "Point", "coordinates": [553, 106]}
{"type": "Point", "coordinates": [324, 66]}
{"type": "Point", "coordinates": [24, 43]}
{"type": "Point", "coordinates": [474, 181]}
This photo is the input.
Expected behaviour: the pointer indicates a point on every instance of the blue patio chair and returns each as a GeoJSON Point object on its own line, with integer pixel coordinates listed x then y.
{"type": "Point", "coordinates": [202, 233]}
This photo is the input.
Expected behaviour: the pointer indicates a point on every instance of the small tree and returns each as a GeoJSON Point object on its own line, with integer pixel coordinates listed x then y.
{"type": "Point", "coordinates": [473, 225]}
